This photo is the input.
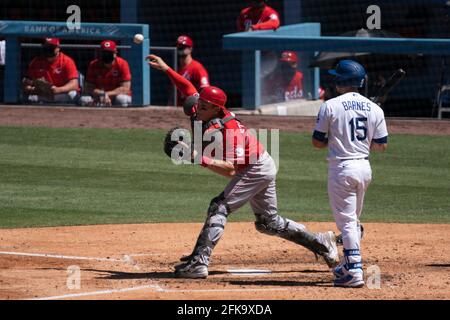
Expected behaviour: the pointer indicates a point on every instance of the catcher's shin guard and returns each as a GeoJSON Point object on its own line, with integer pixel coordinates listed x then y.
{"type": "Point", "coordinates": [211, 232]}
{"type": "Point", "coordinates": [323, 244]}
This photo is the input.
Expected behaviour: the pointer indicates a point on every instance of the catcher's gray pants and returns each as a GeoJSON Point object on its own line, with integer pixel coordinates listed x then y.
{"type": "Point", "coordinates": [255, 184]}
{"type": "Point", "coordinates": [69, 97]}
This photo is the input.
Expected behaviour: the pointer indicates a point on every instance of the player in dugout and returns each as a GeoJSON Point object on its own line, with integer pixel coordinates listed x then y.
{"type": "Point", "coordinates": [188, 67]}
{"type": "Point", "coordinates": [52, 76]}
{"type": "Point", "coordinates": [258, 16]}
{"type": "Point", "coordinates": [108, 80]}
{"type": "Point", "coordinates": [286, 82]}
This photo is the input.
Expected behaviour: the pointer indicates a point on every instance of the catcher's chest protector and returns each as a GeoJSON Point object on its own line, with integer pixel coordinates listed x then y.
{"type": "Point", "coordinates": [216, 124]}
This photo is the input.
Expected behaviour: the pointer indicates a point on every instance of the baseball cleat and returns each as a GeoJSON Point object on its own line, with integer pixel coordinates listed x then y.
{"type": "Point", "coordinates": [189, 257]}
{"type": "Point", "coordinates": [191, 270]}
{"type": "Point", "coordinates": [186, 258]}
{"type": "Point", "coordinates": [338, 272]}
{"type": "Point", "coordinates": [331, 257]}
{"type": "Point", "coordinates": [348, 278]}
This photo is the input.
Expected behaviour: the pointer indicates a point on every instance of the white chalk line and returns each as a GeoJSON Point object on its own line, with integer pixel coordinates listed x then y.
{"type": "Point", "coordinates": [248, 272]}
{"type": "Point", "coordinates": [223, 290]}
{"type": "Point", "coordinates": [146, 254]}
{"type": "Point", "coordinates": [156, 288]}
{"type": "Point", "coordinates": [97, 293]}
{"type": "Point", "coordinates": [127, 260]}
{"type": "Point", "coordinates": [56, 256]}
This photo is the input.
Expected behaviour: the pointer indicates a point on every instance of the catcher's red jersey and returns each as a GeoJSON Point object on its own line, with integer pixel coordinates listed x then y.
{"type": "Point", "coordinates": [108, 79]}
{"type": "Point", "coordinates": [240, 147]}
{"type": "Point", "coordinates": [58, 72]}
{"type": "Point", "coordinates": [196, 73]}
{"type": "Point", "coordinates": [269, 19]}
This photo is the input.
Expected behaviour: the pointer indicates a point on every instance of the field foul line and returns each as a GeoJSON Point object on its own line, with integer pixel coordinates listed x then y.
{"type": "Point", "coordinates": [102, 292]}
{"type": "Point", "coordinates": [222, 290]}
{"type": "Point", "coordinates": [55, 256]}
{"type": "Point", "coordinates": [156, 288]}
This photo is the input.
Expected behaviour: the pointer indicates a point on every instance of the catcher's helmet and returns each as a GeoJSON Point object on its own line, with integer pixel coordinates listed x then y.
{"type": "Point", "coordinates": [184, 41]}
{"type": "Point", "coordinates": [289, 56]}
{"type": "Point", "coordinates": [214, 96]}
{"type": "Point", "coordinates": [349, 73]}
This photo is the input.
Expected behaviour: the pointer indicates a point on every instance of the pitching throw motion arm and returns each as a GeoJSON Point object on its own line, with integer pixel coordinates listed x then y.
{"type": "Point", "coordinates": [223, 168]}
{"type": "Point", "coordinates": [183, 85]}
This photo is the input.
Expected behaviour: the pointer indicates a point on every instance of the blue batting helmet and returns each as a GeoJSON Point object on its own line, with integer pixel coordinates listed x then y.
{"type": "Point", "coordinates": [349, 73]}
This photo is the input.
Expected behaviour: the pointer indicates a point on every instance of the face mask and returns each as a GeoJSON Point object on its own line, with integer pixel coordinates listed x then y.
{"type": "Point", "coordinates": [287, 70]}
{"type": "Point", "coordinates": [107, 57]}
{"type": "Point", "coordinates": [48, 52]}
{"type": "Point", "coordinates": [182, 52]}
{"type": "Point", "coordinates": [258, 4]}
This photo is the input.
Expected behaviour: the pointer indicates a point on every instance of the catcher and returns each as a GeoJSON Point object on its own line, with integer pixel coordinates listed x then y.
{"type": "Point", "coordinates": [250, 181]}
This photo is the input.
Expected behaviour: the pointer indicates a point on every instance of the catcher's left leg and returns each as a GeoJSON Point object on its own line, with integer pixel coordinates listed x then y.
{"type": "Point", "coordinates": [196, 265]}
{"type": "Point", "coordinates": [238, 192]}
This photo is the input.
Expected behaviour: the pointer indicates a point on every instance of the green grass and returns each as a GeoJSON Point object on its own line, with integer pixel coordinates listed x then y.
{"type": "Point", "coordinates": [53, 177]}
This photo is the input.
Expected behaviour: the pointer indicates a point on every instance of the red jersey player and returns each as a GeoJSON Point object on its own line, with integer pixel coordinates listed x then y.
{"type": "Point", "coordinates": [190, 68]}
{"type": "Point", "coordinates": [55, 70]}
{"type": "Point", "coordinates": [286, 83]}
{"type": "Point", "coordinates": [108, 80]}
{"type": "Point", "coordinates": [259, 16]}
{"type": "Point", "coordinates": [252, 174]}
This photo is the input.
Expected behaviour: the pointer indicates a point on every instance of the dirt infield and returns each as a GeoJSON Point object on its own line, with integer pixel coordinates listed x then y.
{"type": "Point", "coordinates": [136, 261]}
{"type": "Point", "coordinates": [414, 261]}
{"type": "Point", "coordinates": [164, 118]}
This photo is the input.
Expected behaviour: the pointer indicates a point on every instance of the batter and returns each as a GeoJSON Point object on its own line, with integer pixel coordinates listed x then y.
{"type": "Point", "coordinates": [354, 126]}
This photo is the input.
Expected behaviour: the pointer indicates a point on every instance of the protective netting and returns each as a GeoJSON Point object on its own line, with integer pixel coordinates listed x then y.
{"type": "Point", "coordinates": [207, 21]}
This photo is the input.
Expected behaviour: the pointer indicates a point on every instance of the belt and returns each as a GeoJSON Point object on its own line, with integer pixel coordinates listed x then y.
{"type": "Point", "coordinates": [366, 158]}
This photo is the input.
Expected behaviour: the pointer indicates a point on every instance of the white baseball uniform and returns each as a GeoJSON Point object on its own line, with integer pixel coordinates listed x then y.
{"type": "Point", "coordinates": [351, 122]}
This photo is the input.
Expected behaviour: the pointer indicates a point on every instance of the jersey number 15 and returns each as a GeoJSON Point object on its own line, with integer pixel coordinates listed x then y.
{"type": "Point", "coordinates": [358, 126]}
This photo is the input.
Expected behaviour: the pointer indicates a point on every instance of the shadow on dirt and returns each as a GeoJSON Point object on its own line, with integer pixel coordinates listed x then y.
{"type": "Point", "coordinates": [282, 283]}
{"type": "Point", "coordinates": [118, 275]}
{"type": "Point", "coordinates": [439, 265]}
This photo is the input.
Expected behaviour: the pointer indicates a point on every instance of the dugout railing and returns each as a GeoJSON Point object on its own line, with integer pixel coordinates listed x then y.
{"type": "Point", "coordinates": [306, 38]}
{"type": "Point", "coordinates": [14, 31]}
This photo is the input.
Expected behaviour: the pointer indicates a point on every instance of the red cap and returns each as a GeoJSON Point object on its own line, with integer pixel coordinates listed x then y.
{"type": "Point", "coordinates": [108, 45]}
{"type": "Point", "coordinates": [51, 42]}
{"type": "Point", "coordinates": [214, 95]}
{"type": "Point", "coordinates": [289, 56]}
{"type": "Point", "coordinates": [185, 41]}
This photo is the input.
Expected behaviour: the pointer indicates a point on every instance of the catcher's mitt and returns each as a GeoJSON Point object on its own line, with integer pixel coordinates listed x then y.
{"type": "Point", "coordinates": [43, 87]}
{"type": "Point", "coordinates": [172, 139]}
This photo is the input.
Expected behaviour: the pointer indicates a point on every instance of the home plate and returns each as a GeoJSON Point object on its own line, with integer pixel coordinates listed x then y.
{"type": "Point", "coordinates": [248, 272]}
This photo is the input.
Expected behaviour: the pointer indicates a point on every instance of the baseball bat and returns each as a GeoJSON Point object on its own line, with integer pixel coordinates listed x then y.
{"type": "Point", "coordinates": [382, 93]}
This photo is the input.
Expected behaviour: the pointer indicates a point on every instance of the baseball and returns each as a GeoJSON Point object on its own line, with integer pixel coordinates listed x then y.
{"type": "Point", "coordinates": [138, 38]}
